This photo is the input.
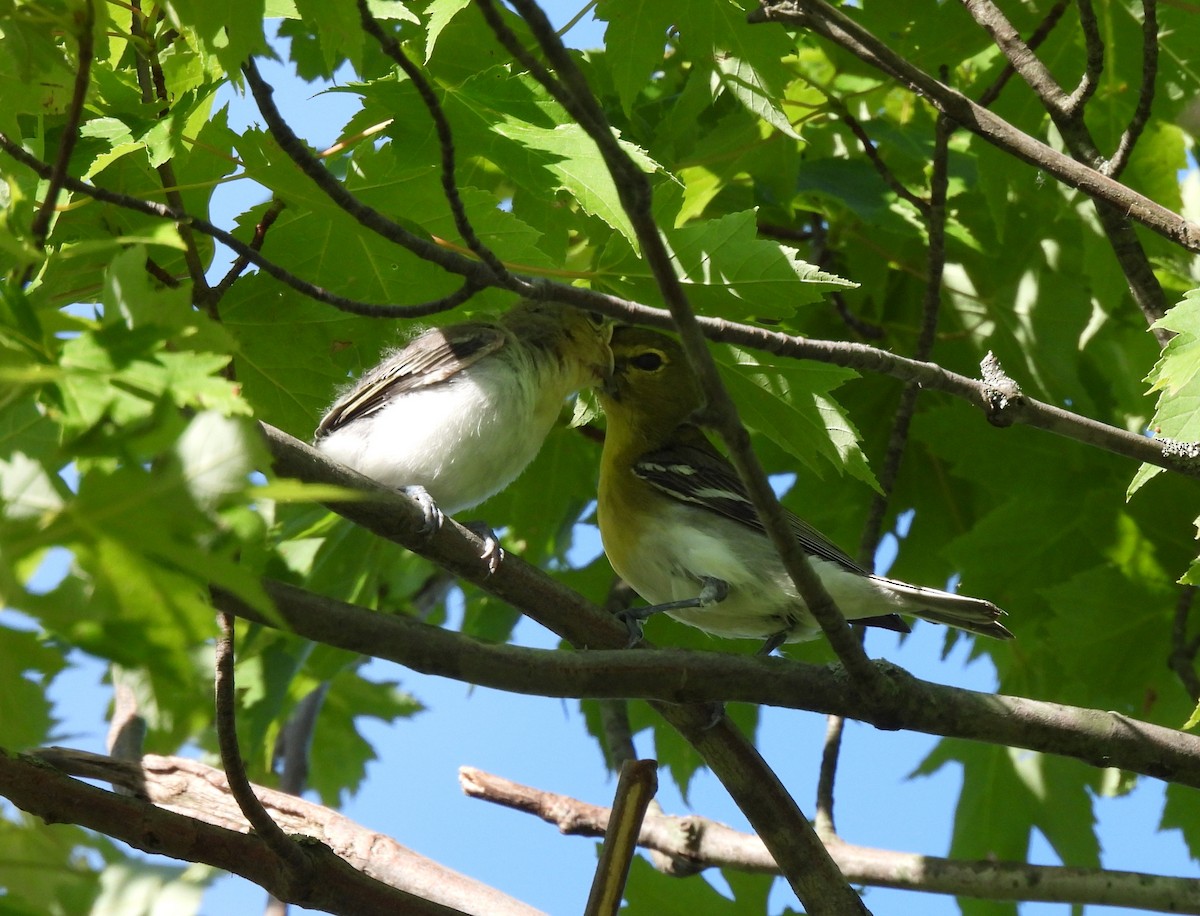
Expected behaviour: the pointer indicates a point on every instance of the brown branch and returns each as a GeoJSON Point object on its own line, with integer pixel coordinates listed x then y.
{"type": "Point", "coordinates": [835, 26]}
{"type": "Point", "coordinates": [241, 262]}
{"type": "Point", "coordinates": [1141, 114]}
{"type": "Point", "coordinates": [1094, 65]}
{"type": "Point", "coordinates": [711, 844]}
{"type": "Point", "coordinates": [291, 855]}
{"type": "Point", "coordinates": [150, 208]}
{"type": "Point", "coordinates": [673, 676]}
{"type": "Point", "coordinates": [875, 159]}
{"type": "Point", "coordinates": [635, 791]}
{"type": "Point", "coordinates": [1040, 34]}
{"type": "Point", "coordinates": [1143, 285]}
{"type": "Point", "coordinates": [445, 140]}
{"type": "Point", "coordinates": [39, 227]}
{"type": "Point", "coordinates": [184, 809]}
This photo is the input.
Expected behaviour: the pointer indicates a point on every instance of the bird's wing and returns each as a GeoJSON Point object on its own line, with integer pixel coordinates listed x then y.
{"type": "Point", "coordinates": [434, 357]}
{"type": "Point", "coordinates": [698, 474]}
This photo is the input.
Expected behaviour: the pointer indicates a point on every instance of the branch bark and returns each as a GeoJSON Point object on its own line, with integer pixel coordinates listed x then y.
{"type": "Point", "coordinates": [184, 810]}
{"type": "Point", "coordinates": [711, 844]}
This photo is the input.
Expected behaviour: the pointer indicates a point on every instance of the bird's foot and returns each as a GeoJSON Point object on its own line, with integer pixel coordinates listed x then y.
{"type": "Point", "coordinates": [492, 553]}
{"type": "Point", "coordinates": [432, 518]}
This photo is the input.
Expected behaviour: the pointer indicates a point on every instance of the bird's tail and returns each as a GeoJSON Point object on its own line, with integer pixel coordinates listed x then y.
{"type": "Point", "coordinates": [971, 614]}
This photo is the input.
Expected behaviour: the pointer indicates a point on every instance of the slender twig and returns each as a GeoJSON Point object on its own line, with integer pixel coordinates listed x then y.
{"type": "Point", "coordinates": [56, 179]}
{"type": "Point", "coordinates": [369, 217]}
{"type": "Point", "coordinates": [1094, 64]}
{"type": "Point", "coordinates": [445, 139]}
{"type": "Point", "coordinates": [241, 262]}
{"type": "Point", "coordinates": [635, 790]}
{"type": "Point", "coordinates": [1040, 34]}
{"type": "Point", "coordinates": [831, 751]}
{"type": "Point", "coordinates": [837, 27]}
{"type": "Point", "coordinates": [876, 160]}
{"type": "Point", "coordinates": [935, 221]}
{"type": "Point", "coordinates": [711, 844]}
{"type": "Point", "coordinates": [151, 208]}
{"type": "Point", "coordinates": [235, 768]}
{"type": "Point", "coordinates": [1141, 114]}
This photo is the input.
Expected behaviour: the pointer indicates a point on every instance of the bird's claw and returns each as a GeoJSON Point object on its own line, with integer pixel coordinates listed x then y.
{"type": "Point", "coordinates": [432, 518]}
{"type": "Point", "coordinates": [633, 624]}
{"type": "Point", "coordinates": [492, 553]}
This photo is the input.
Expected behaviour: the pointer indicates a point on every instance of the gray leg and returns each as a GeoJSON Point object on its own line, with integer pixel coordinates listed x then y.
{"type": "Point", "coordinates": [712, 592]}
{"type": "Point", "coordinates": [492, 552]}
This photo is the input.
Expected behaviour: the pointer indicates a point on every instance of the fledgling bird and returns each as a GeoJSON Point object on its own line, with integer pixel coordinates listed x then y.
{"type": "Point", "coordinates": [458, 413]}
{"type": "Point", "coordinates": [679, 527]}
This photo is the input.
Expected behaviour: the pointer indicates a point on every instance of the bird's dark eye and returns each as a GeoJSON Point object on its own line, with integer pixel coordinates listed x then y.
{"type": "Point", "coordinates": [596, 318]}
{"type": "Point", "coordinates": [648, 361]}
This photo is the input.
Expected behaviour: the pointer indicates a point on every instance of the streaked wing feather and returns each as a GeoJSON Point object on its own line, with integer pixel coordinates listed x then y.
{"type": "Point", "coordinates": [434, 357]}
{"type": "Point", "coordinates": [700, 475]}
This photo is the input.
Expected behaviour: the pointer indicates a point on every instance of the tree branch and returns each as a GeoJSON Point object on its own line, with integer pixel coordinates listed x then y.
{"type": "Point", "coordinates": [635, 791]}
{"type": "Point", "coordinates": [57, 175]}
{"type": "Point", "coordinates": [1141, 114]}
{"type": "Point", "coordinates": [711, 844]}
{"type": "Point", "coordinates": [673, 676]}
{"type": "Point", "coordinates": [34, 785]}
{"type": "Point", "coordinates": [835, 26]}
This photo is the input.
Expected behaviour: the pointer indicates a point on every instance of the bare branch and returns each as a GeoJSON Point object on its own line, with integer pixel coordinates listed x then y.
{"type": "Point", "coordinates": [1090, 81]}
{"type": "Point", "coordinates": [1020, 56]}
{"type": "Point", "coordinates": [150, 208]}
{"type": "Point", "coordinates": [712, 844]}
{"type": "Point", "coordinates": [57, 175]}
{"type": "Point", "coordinates": [292, 857]}
{"type": "Point", "coordinates": [185, 810]}
{"type": "Point", "coordinates": [1141, 114]}
{"type": "Point", "coordinates": [261, 228]}
{"type": "Point", "coordinates": [673, 676]}
{"type": "Point", "coordinates": [876, 160]}
{"type": "Point", "coordinates": [1183, 649]}
{"type": "Point", "coordinates": [1040, 34]}
{"type": "Point", "coordinates": [635, 791]}
{"type": "Point", "coordinates": [445, 139]}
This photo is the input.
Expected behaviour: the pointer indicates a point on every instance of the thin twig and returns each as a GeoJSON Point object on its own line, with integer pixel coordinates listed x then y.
{"type": "Point", "coordinates": [342, 303]}
{"type": "Point", "coordinates": [1094, 65]}
{"type": "Point", "coordinates": [39, 227]}
{"type": "Point", "coordinates": [1141, 114]}
{"type": "Point", "coordinates": [876, 160]}
{"type": "Point", "coordinates": [241, 262]}
{"type": "Point", "coordinates": [445, 140]}
{"type": "Point", "coordinates": [1020, 56]}
{"type": "Point", "coordinates": [935, 221]}
{"type": "Point", "coordinates": [635, 790]}
{"type": "Point", "coordinates": [1040, 34]}
{"type": "Point", "coordinates": [235, 768]}
{"type": "Point", "coordinates": [837, 27]}
{"type": "Point", "coordinates": [372, 219]}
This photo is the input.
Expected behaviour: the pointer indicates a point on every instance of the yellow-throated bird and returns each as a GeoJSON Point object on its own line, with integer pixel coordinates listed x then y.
{"type": "Point", "coordinates": [679, 527]}
{"type": "Point", "coordinates": [459, 412]}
